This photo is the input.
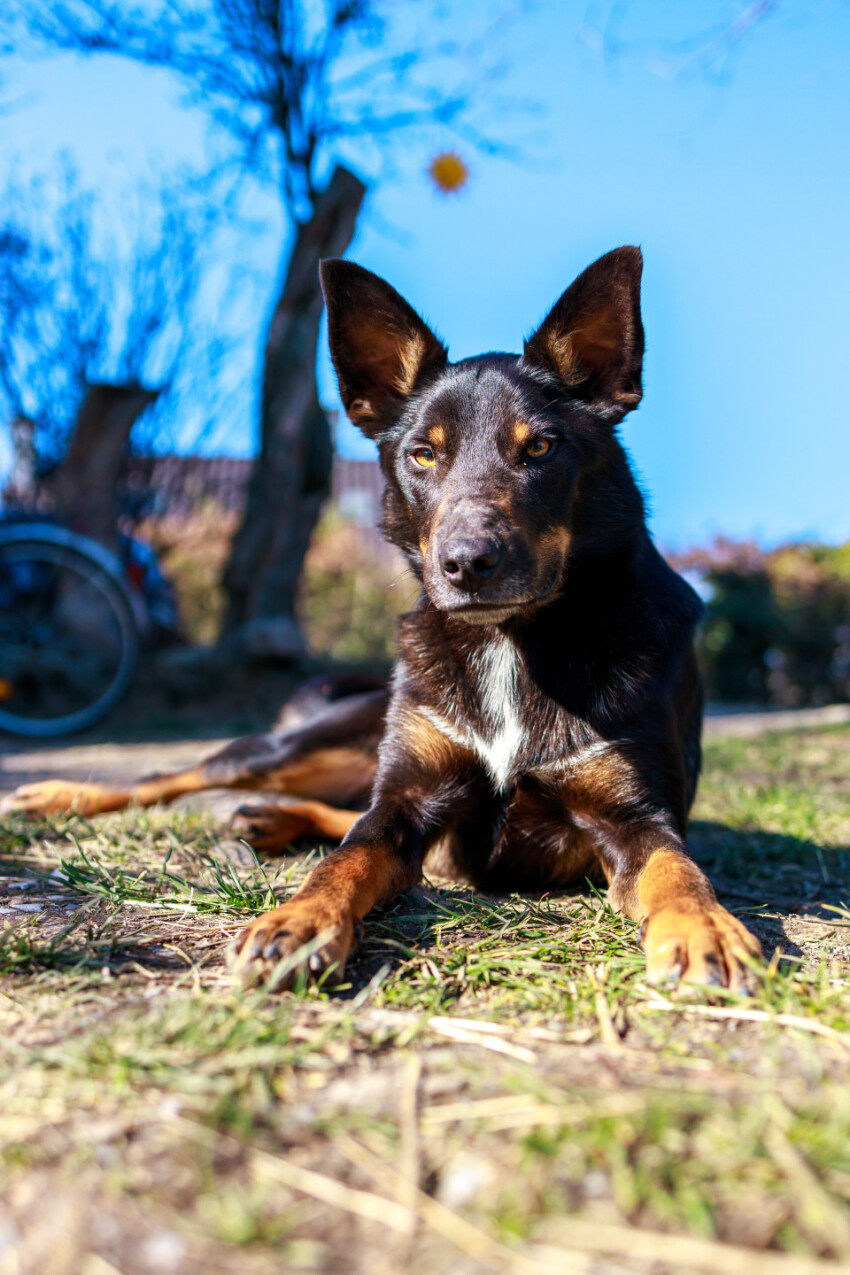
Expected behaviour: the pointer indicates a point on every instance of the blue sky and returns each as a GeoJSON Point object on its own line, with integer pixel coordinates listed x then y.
{"type": "Point", "coordinates": [733, 177]}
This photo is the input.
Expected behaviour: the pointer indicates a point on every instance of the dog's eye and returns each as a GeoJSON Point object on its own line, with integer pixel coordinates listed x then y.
{"type": "Point", "coordinates": [537, 447]}
{"type": "Point", "coordinates": [425, 457]}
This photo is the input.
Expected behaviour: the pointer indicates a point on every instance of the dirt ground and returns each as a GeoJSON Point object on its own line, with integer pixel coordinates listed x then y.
{"type": "Point", "coordinates": [495, 1087]}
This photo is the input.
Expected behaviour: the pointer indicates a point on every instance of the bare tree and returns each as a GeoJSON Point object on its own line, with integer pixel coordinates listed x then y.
{"type": "Point", "coordinates": [86, 484]}
{"type": "Point", "coordinates": [291, 478]}
{"type": "Point", "coordinates": [91, 330]}
{"type": "Point", "coordinates": [707, 50]}
{"type": "Point", "coordinates": [22, 265]}
{"type": "Point", "coordinates": [306, 90]}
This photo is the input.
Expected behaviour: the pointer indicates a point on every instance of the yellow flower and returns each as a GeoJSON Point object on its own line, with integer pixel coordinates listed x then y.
{"type": "Point", "coordinates": [448, 172]}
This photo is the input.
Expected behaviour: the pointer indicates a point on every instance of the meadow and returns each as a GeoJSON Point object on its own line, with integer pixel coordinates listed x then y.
{"type": "Point", "coordinates": [493, 1088]}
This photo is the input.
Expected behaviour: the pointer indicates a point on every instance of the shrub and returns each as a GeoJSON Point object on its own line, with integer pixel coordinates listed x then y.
{"type": "Point", "coordinates": [353, 588]}
{"type": "Point", "coordinates": [777, 626]}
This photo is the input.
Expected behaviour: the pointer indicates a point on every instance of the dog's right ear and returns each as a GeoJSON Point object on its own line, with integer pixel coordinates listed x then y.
{"type": "Point", "coordinates": [379, 345]}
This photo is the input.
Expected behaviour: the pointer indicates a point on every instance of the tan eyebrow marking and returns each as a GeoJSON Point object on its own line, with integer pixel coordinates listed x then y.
{"type": "Point", "coordinates": [437, 436]}
{"type": "Point", "coordinates": [522, 432]}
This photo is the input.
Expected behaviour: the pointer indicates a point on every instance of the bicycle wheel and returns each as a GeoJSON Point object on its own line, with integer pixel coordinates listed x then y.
{"type": "Point", "coordinates": [69, 638]}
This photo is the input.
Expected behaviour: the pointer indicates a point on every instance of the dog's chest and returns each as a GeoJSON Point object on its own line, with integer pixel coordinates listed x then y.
{"type": "Point", "coordinates": [501, 736]}
{"type": "Point", "coordinates": [497, 732]}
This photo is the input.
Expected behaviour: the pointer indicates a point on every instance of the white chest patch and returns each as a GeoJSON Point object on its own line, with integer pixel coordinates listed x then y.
{"type": "Point", "coordinates": [499, 745]}
{"type": "Point", "coordinates": [501, 737]}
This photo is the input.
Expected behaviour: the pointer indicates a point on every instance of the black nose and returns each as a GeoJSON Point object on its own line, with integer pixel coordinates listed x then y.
{"type": "Point", "coordinates": [467, 561]}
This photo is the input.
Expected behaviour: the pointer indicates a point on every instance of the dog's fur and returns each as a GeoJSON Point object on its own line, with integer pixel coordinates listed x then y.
{"type": "Point", "coordinates": [544, 720]}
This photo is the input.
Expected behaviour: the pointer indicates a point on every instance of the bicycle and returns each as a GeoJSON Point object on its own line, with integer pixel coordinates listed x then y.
{"type": "Point", "coordinates": [70, 629]}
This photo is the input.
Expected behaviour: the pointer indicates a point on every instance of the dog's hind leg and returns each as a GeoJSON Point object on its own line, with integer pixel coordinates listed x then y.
{"type": "Point", "coordinates": [59, 796]}
{"type": "Point", "coordinates": [331, 759]}
{"type": "Point", "coordinates": [270, 828]}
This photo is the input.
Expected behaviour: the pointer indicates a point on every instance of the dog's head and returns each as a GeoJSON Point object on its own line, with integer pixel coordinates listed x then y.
{"type": "Point", "coordinates": [497, 467]}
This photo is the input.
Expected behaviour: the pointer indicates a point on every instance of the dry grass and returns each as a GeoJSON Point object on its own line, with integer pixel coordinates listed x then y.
{"type": "Point", "coordinates": [495, 1088]}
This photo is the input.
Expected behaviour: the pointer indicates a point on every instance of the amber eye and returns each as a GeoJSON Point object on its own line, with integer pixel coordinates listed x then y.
{"type": "Point", "coordinates": [425, 457]}
{"type": "Point", "coordinates": [537, 447]}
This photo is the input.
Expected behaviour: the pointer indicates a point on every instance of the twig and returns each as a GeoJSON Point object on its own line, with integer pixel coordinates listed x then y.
{"type": "Point", "coordinates": [676, 1252]}
{"type": "Point", "coordinates": [469, 1024]}
{"type": "Point", "coordinates": [822, 1219]}
{"type": "Point", "coordinates": [478, 1109]}
{"type": "Point", "coordinates": [408, 1156]}
{"type": "Point", "coordinates": [466, 1237]}
{"type": "Point", "coordinates": [749, 1016]}
{"type": "Point", "coordinates": [607, 1030]}
{"type": "Point", "coordinates": [373, 1207]}
{"type": "Point", "coordinates": [465, 1036]}
{"type": "Point", "coordinates": [97, 1265]}
{"type": "Point", "coordinates": [519, 1111]}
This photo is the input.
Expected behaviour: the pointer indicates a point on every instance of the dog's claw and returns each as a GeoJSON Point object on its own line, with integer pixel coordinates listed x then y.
{"type": "Point", "coordinates": [282, 933]}
{"type": "Point", "coordinates": [714, 972]}
{"type": "Point", "coordinates": [671, 975]}
{"type": "Point", "coordinates": [688, 942]}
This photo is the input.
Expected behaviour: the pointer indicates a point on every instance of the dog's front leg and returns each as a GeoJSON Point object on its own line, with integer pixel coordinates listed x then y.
{"type": "Point", "coordinates": [425, 783]}
{"type": "Point", "coordinates": [686, 934]}
{"type": "Point", "coordinates": [380, 858]}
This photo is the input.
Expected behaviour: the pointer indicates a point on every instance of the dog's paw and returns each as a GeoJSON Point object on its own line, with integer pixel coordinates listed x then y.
{"type": "Point", "coordinates": [51, 797]}
{"type": "Point", "coordinates": [304, 938]}
{"type": "Point", "coordinates": [267, 827]}
{"type": "Point", "coordinates": [693, 942]}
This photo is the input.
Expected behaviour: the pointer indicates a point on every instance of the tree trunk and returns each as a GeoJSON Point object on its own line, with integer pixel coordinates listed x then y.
{"type": "Point", "coordinates": [22, 488]}
{"type": "Point", "coordinates": [291, 476]}
{"type": "Point", "coordinates": [86, 485]}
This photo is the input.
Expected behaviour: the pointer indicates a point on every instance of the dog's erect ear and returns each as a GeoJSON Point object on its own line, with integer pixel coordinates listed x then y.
{"type": "Point", "coordinates": [592, 337]}
{"type": "Point", "coordinates": [379, 345]}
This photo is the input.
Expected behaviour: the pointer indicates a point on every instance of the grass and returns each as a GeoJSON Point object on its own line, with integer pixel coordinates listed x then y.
{"type": "Point", "coordinates": [494, 1087]}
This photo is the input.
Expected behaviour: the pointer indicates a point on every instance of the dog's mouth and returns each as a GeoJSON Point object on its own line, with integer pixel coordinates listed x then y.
{"type": "Point", "coordinates": [497, 612]}
{"type": "Point", "coordinates": [486, 612]}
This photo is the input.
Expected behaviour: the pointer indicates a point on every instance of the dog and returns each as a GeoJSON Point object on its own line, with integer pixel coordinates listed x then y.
{"type": "Point", "coordinates": [543, 722]}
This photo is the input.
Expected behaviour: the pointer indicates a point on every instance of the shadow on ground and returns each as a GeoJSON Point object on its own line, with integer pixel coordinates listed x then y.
{"type": "Point", "coordinates": [780, 886]}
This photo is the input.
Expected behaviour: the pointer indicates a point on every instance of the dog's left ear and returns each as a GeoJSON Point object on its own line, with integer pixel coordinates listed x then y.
{"type": "Point", "coordinates": [592, 337]}
{"type": "Point", "coordinates": [380, 347]}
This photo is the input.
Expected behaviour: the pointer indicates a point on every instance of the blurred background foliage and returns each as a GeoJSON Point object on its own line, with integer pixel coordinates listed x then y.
{"type": "Point", "coordinates": [184, 279]}
{"type": "Point", "coordinates": [350, 595]}
{"type": "Point", "coordinates": [777, 625]}
{"type": "Point", "coordinates": [776, 628]}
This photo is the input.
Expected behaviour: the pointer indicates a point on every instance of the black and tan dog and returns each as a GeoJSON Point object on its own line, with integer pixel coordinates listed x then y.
{"type": "Point", "coordinates": [543, 724]}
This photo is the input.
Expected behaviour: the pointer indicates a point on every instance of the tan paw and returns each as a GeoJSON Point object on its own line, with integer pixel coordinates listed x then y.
{"type": "Point", "coordinates": [302, 938]}
{"type": "Point", "coordinates": [694, 942]}
{"type": "Point", "coordinates": [267, 827]}
{"type": "Point", "coordinates": [52, 797]}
